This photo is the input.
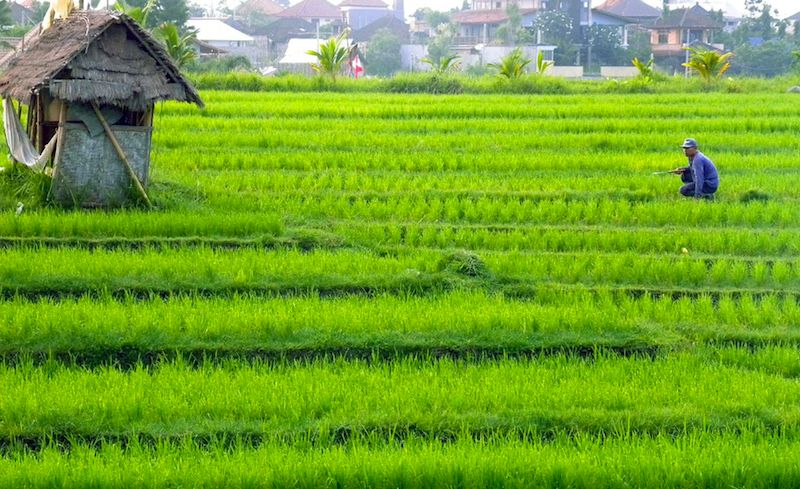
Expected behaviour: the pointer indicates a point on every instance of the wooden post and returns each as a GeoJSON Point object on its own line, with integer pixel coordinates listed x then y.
{"type": "Point", "coordinates": [39, 123]}
{"type": "Point", "coordinates": [121, 154]}
{"type": "Point", "coordinates": [62, 119]}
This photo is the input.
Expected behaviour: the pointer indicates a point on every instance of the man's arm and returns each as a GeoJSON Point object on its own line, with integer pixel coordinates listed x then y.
{"type": "Point", "coordinates": [685, 173]}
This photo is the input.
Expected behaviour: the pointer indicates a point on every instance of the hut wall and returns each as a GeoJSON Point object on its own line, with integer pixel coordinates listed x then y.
{"type": "Point", "coordinates": [91, 174]}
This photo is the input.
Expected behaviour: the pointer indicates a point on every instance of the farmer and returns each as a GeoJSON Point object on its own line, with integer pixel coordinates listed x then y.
{"type": "Point", "coordinates": [700, 176]}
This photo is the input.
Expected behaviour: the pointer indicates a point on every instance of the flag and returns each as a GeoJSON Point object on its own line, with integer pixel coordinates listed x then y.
{"type": "Point", "coordinates": [355, 64]}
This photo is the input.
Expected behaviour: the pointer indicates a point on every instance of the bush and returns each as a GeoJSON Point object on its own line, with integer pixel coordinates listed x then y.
{"type": "Point", "coordinates": [425, 83]}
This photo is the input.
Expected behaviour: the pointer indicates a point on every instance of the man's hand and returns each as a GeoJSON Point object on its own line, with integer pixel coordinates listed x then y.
{"type": "Point", "coordinates": [678, 171]}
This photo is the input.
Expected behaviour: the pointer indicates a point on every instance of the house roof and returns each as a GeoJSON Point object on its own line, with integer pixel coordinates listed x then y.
{"type": "Point", "coordinates": [493, 16]}
{"type": "Point", "coordinates": [211, 30]}
{"type": "Point", "coordinates": [632, 9]}
{"type": "Point", "coordinates": [100, 56]}
{"type": "Point", "coordinates": [22, 15]}
{"type": "Point", "coordinates": [793, 18]}
{"type": "Point", "coordinates": [390, 21]}
{"type": "Point", "coordinates": [363, 3]}
{"type": "Point", "coordinates": [313, 9]}
{"type": "Point", "coordinates": [696, 16]}
{"type": "Point", "coordinates": [286, 28]}
{"type": "Point", "coordinates": [264, 7]}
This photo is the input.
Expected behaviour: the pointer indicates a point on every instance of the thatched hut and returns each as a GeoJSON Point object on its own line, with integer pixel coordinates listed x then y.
{"type": "Point", "coordinates": [91, 82]}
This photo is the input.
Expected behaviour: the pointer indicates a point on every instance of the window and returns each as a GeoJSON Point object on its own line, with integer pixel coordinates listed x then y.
{"type": "Point", "coordinates": [663, 37]}
{"type": "Point", "coordinates": [498, 4]}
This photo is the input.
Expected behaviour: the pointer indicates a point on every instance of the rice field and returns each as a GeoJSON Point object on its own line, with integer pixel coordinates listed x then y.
{"type": "Point", "coordinates": [375, 290]}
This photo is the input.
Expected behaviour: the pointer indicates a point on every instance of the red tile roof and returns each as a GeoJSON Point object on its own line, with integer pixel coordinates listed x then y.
{"type": "Point", "coordinates": [494, 16]}
{"type": "Point", "coordinates": [266, 7]}
{"type": "Point", "coordinates": [313, 9]}
{"type": "Point", "coordinates": [363, 3]}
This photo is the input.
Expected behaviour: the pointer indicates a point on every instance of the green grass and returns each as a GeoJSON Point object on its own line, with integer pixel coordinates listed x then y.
{"type": "Point", "coordinates": [364, 289]}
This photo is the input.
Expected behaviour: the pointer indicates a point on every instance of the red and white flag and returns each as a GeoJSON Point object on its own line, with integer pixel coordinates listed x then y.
{"type": "Point", "coordinates": [358, 69]}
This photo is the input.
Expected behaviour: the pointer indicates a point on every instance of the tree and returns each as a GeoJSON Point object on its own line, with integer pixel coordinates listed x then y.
{"type": "Point", "coordinates": [5, 15]}
{"type": "Point", "coordinates": [440, 46]}
{"type": "Point", "coordinates": [771, 58]}
{"type": "Point", "coordinates": [174, 11]}
{"type": "Point", "coordinates": [509, 32]}
{"type": "Point", "coordinates": [607, 45]}
{"type": "Point", "coordinates": [710, 65]}
{"type": "Point", "coordinates": [383, 56]}
{"type": "Point", "coordinates": [444, 65]}
{"type": "Point", "coordinates": [556, 28]}
{"type": "Point", "coordinates": [511, 66]}
{"type": "Point", "coordinates": [179, 47]}
{"type": "Point", "coordinates": [332, 56]}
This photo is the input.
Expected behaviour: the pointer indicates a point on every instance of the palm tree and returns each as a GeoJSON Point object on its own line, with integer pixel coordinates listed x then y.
{"type": "Point", "coordinates": [541, 64]}
{"type": "Point", "coordinates": [332, 55]}
{"type": "Point", "coordinates": [179, 47]}
{"type": "Point", "coordinates": [512, 66]}
{"type": "Point", "coordinates": [710, 65]}
{"type": "Point", "coordinates": [139, 14]}
{"type": "Point", "coordinates": [446, 64]}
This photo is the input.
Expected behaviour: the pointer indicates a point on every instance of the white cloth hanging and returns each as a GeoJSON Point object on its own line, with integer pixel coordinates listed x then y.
{"type": "Point", "coordinates": [18, 143]}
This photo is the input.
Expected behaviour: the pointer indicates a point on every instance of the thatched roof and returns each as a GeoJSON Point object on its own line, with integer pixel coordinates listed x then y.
{"type": "Point", "coordinates": [98, 56]}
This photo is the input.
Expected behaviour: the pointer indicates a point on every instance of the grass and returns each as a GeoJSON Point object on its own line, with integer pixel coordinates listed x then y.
{"type": "Point", "coordinates": [440, 291]}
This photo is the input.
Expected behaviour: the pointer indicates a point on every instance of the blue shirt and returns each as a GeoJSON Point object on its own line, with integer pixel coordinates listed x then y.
{"type": "Point", "coordinates": [703, 171]}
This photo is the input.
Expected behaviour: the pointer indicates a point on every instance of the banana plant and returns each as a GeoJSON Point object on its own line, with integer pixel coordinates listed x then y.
{"type": "Point", "coordinates": [645, 69]}
{"type": "Point", "coordinates": [512, 66]}
{"type": "Point", "coordinates": [709, 64]}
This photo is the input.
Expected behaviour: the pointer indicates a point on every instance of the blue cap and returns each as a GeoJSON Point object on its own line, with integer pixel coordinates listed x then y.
{"type": "Point", "coordinates": [689, 143]}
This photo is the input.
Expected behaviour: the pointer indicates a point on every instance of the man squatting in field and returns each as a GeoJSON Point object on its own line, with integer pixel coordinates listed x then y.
{"type": "Point", "coordinates": [700, 177]}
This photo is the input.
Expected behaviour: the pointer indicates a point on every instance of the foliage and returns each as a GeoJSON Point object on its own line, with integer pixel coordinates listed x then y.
{"type": "Point", "coordinates": [444, 65]}
{"type": "Point", "coordinates": [512, 66]}
{"type": "Point", "coordinates": [220, 64]}
{"type": "Point", "coordinates": [541, 65]}
{"type": "Point", "coordinates": [383, 56]}
{"type": "Point", "coordinates": [160, 11]}
{"type": "Point", "coordinates": [772, 58]}
{"type": "Point", "coordinates": [139, 13]}
{"type": "Point", "coordinates": [440, 46]}
{"type": "Point", "coordinates": [179, 47]}
{"type": "Point", "coordinates": [646, 70]}
{"type": "Point", "coordinates": [556, 28]}
{"type": "Point", "coordinates": [510, 31]}
{"type": "Point", "coordinates": [607, 46]}
{"type": "Point", "coordinates": [332, 56]}
{"type": "Point", "coordinates": [5, 15]}
{"type": "Point", "coordinates": [709, 64]}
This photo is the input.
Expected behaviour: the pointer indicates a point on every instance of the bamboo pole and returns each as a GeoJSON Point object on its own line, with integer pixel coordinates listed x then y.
{"type": "Point", "coordinates": [62, 119]}
{"type": "Point", "coordinates": [121, 154]}
{"type": "Point", "coordinates": [39, 123]}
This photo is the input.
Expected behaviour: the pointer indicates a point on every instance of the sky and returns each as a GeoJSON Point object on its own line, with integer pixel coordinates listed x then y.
{"type": "Point", "coordinates": [785, 7]}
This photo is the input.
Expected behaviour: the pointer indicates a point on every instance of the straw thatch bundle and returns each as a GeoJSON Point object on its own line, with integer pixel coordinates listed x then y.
{"type": "Point", "coordinates": [97, 56]}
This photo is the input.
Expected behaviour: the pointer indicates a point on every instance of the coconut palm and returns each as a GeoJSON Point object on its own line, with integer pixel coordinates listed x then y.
{"type": "Point", "coordinates": [512, 66]}
{"type": "Point", "coordinates": [139, 14]}
{"type": "Point", "coordinates": [179, 47]}
{"type": "Point", "coordinates": [710, 65]}
{"type": "Point", "coordinates": [541, 64]}
{"type": "Point", "coordinates": [332, 56]}
{"type": "Point", "coordinates": [445, 64]}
